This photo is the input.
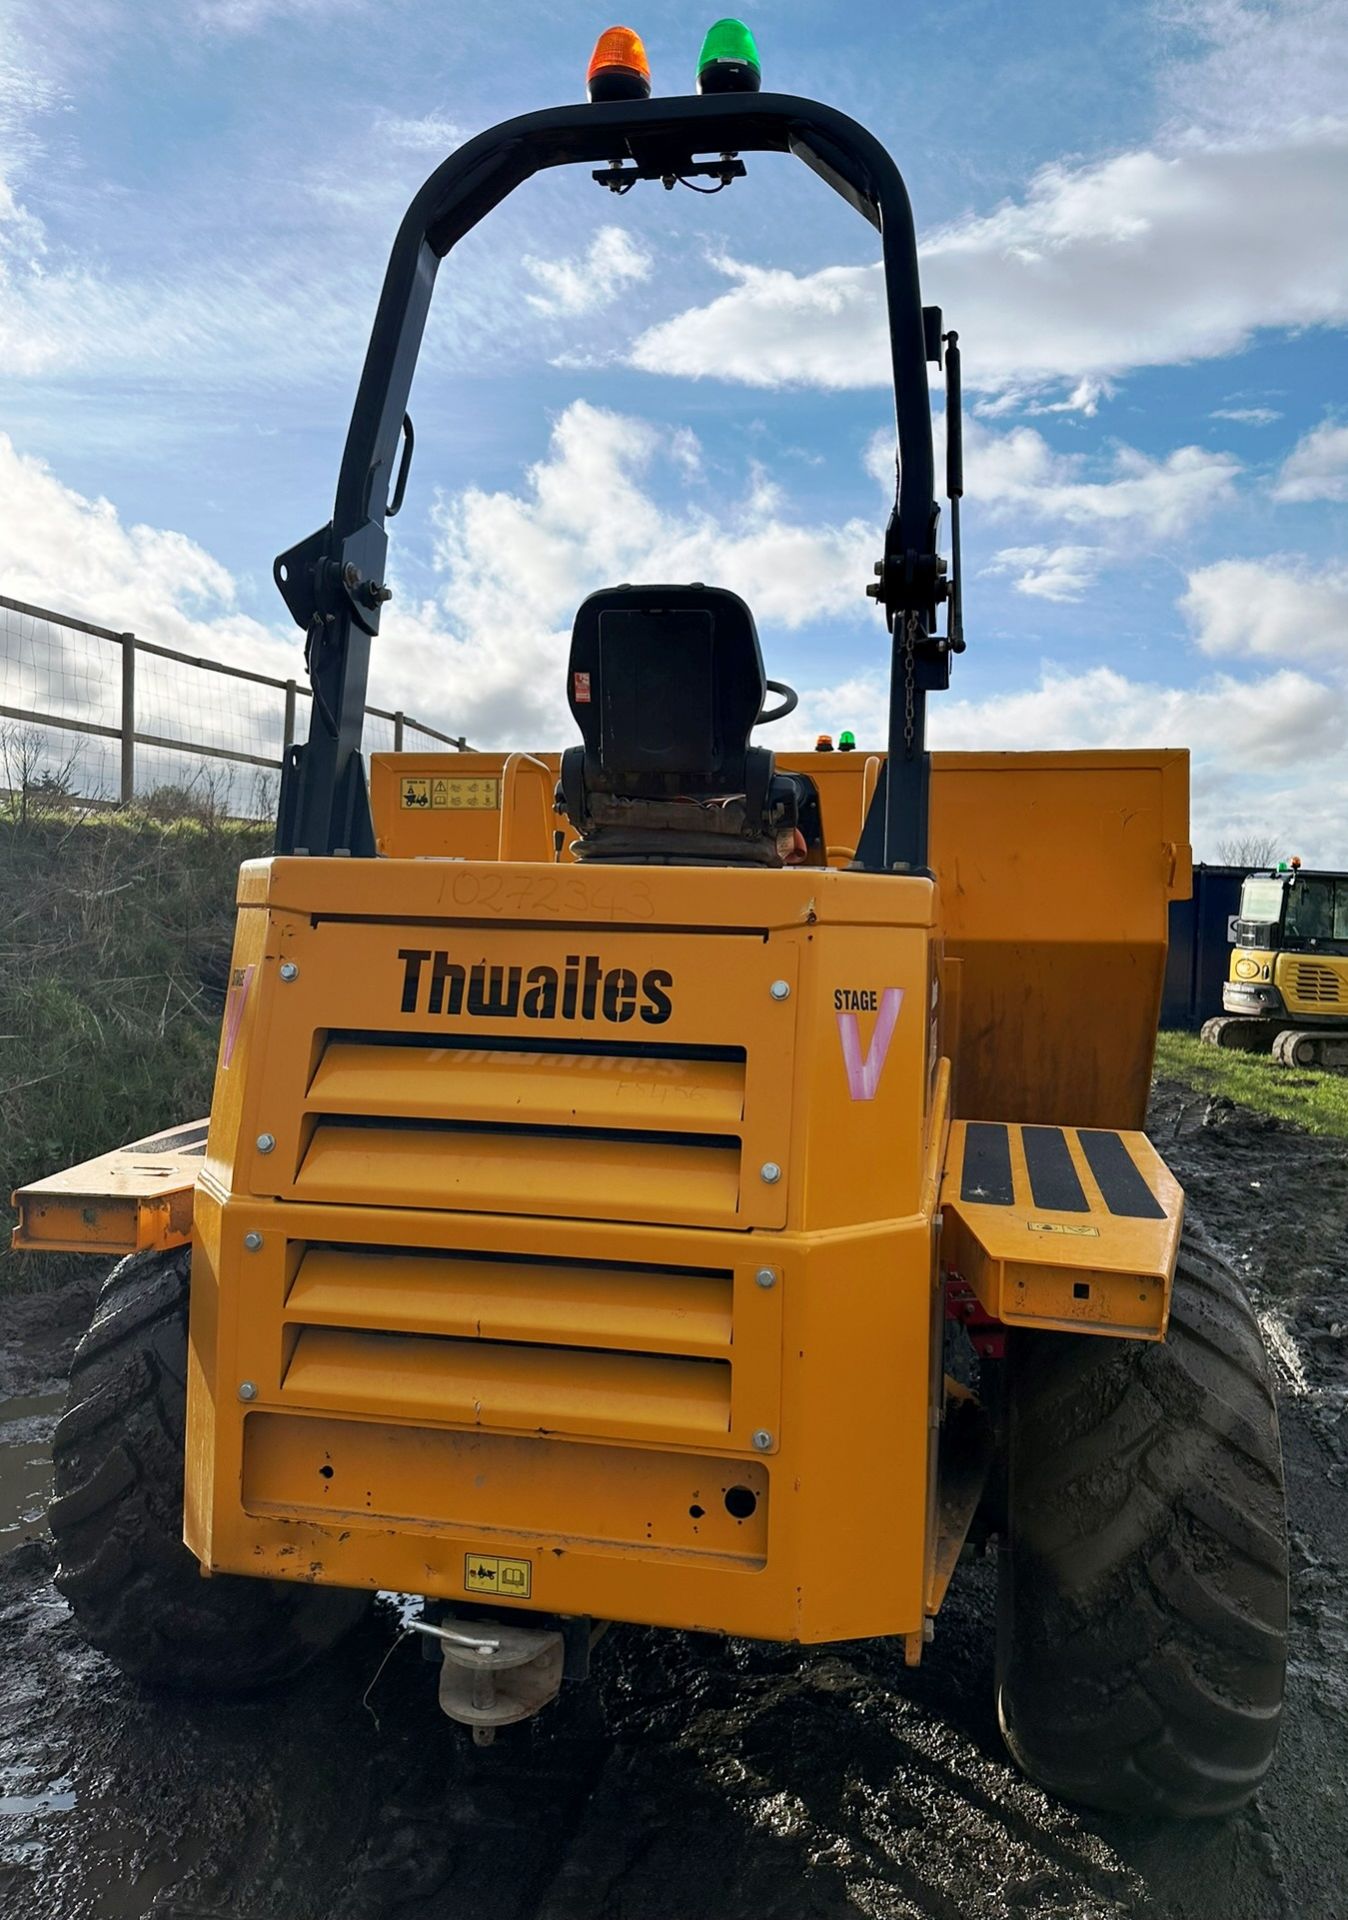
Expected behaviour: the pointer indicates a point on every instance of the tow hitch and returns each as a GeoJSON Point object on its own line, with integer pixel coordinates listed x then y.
{"type": "Point", "coordinates": [493, 1673]}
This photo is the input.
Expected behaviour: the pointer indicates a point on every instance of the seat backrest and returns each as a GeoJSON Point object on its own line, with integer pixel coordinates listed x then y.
{"type": "Point", "coordinates": [665, 684]}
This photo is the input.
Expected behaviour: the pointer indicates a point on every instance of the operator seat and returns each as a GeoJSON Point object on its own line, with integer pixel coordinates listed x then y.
{"type": "Point", "coordinates": [665, 684]}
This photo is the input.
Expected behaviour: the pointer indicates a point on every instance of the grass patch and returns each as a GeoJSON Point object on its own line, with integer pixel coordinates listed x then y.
{"type": "Point", "coordinates": [1305, 1096]}
{"type": "Point", "coordinates": [114, 955]}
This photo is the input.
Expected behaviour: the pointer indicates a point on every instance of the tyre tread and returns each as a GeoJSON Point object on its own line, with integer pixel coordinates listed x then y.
{"type": "Point", "coordinates": [135, 1589]}
{"type": "Point", "coordinates": [1143, 1619]}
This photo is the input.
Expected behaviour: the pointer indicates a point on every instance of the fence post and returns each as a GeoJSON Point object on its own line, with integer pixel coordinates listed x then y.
{"type": "Point", "coordinates": [290, 718]}
{"type": "Point", "coordinates": [128, 718]}
{"type": "Point", "coordinates": [398, 720]}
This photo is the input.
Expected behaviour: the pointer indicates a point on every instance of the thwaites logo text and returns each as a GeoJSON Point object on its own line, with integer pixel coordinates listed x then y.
{"type": "Point", "coordinates": [582, 989]}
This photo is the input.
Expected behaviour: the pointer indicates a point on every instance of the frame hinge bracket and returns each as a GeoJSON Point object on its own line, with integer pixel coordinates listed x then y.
{"type": "Point", "coordinates": [317, 584]}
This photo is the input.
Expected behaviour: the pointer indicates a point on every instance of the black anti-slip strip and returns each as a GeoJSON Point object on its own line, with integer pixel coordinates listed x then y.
{"type": "Point", "coordinates": [1053, 1178]}
{"type": "Point", "coordinates": [987, 1165]}
{"type": "Point", "coordinates": [1125, 1191]}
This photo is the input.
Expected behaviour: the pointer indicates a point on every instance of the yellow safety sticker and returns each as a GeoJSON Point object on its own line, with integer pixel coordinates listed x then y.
{"type": "Point", "coordinates": [450, 793]}
{"type": "Point", "coordinates": [484, 795]}
{"type": "Point", "coordinates": [1054, 1226]}
{"type": "Point", "coordinates": [489, 1573]}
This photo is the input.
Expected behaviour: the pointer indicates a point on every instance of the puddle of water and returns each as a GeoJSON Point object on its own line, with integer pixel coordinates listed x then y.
{"type": "Point", "coordinates": [57, 1798]}
{"type": "Point", "coordinates": [26, 1425]}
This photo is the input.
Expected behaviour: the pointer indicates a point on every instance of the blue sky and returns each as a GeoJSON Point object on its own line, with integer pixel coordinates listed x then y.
{"type": "Point", "coordinates": [1135, 213]}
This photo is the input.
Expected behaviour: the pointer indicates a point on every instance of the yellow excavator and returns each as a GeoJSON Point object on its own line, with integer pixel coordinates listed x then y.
{"type": "Point", "coordinates": [671, 1182]}
{"type": "Point", "coordinates": [1287, 993]}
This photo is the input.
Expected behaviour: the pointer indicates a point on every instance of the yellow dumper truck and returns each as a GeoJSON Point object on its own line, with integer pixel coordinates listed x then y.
{"type": "Point", "coordinates": [667, 1181]}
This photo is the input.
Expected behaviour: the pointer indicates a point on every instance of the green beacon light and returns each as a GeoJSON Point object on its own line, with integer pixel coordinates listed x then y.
{"type": "Point", "coordinates": [847, 742]}
{"type": "Point", "coordinates": [728, 62]}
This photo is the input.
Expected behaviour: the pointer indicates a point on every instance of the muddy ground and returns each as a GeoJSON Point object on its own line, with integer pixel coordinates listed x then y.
{"type": "Point", "coordinates": [696, 1779]}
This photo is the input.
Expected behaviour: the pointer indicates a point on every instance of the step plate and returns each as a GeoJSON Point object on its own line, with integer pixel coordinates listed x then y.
{"type": "Point", "coordinates": [135, 1197]}
{"type": "Point", "coordinates": [1066, 1227]}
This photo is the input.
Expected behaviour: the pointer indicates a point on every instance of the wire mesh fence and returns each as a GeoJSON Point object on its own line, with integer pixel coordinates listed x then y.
{"type": "Point", "coordinates": [110, 718]}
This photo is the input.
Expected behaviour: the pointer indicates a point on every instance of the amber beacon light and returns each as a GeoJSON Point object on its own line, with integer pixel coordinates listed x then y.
{"type": "Point", "coordinates": [619, 69]}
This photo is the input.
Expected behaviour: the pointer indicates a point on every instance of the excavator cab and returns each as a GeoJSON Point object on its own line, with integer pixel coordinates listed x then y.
{"type": "Point", "coordinates": [1287, 990]}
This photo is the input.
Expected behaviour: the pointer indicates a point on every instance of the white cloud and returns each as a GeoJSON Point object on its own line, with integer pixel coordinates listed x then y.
{"type": "Point", "coordinates": [1019, 473]}
{"type": "Point", "coordinates": [61, 549]}
{"type": "Point", "coordinates": [1317, 467]}
{"type": "Point", "coordinates": [1260, 744]}
{"type": "Point", "coordinates": [1048, 573]}
{"type": "Point", "coordinates": [1262, 65]}
{"type": "Point", "coordinates": [1084, 399]}
{"type": "Point", "coordinates": [1278, 721]}
{"type": "Point", "coordinates": [1271, 609]}
{"type": "Point", "coordinates": [1247, 416]}
{"type": "Point", "coordinates": [517, 564]}
{"type": "Point", "coordinates": [234, 326]}
{"type": "Point", "coordinates": [1269, 752]}
{"type": "Point", "coordinates": [230, 320]}
{"type": "Point", "coordinates": [1148, 258]}
{"type": "Point", "coordinates": [426, 133]}
{"type": "Point", "coordinates": [244, 16]}
{"type": "Point", "coordinates": [686, 450]}
{"type": "Point", "coordinates": [583, 283]}
{"type": "Point", "coordinates": [486, 655]}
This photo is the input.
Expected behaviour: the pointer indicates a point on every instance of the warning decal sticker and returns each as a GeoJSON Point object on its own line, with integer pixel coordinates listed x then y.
{"type": "Point", "coordinates": [235, 1002]}
{"type": "Point", "coordinates": [1054, 1226]}
{"type": "Point", "coordinates": [489, 1573]}
{"type": "Point", "coordinates": [450, 793]}
{"type": "Point", "coordinates": [863, 1070]}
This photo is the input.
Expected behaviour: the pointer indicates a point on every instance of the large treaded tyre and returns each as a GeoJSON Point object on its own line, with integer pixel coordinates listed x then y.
{"type": "Point", "coordinates": [1142, 1630]}
{"type": "Point", "coordinates": [136, 1591]}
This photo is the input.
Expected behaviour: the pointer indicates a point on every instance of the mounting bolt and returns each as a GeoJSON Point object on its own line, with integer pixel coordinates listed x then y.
{"type": "Point", "coordinates": [265, 1142]}
{"type": "Point", "coordinates": [780, 989]}
{"type": "Point", "coordinates": [770, 1173]}
{"type": "Point", "coordinates": [762, 1439]}
{"type": "Point", "coordinates": [252, 1240]}
{"type": "Point", "coordinates": [289, 971]}
{"type": "Point", "coordinates": [247, 1391]}
{"type": "Point", "coordinates": [766, 1277]}
{"type": "Point", "coordinates": [351, 575]}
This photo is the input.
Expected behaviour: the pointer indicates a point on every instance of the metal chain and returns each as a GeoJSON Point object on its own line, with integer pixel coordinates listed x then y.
{"type": "Point", "coordinates": [910, 633]}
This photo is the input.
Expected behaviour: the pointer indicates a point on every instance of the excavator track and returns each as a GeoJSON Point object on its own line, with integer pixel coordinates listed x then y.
{"type": "Point", "coordinates": [1241, 1032]}
{"type": "Point", "coordinates": [1311, 1047]}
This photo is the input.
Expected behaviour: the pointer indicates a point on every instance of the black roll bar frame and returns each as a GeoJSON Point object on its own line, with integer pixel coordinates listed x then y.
{"type": "Point", "coordinates": [333, 582]}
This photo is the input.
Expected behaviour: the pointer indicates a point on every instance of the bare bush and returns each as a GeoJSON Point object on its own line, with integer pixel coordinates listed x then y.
{"type": "Point", "coordinates": [1248, 849]}
{"type": "Point", "coordinates": [34, 785]}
